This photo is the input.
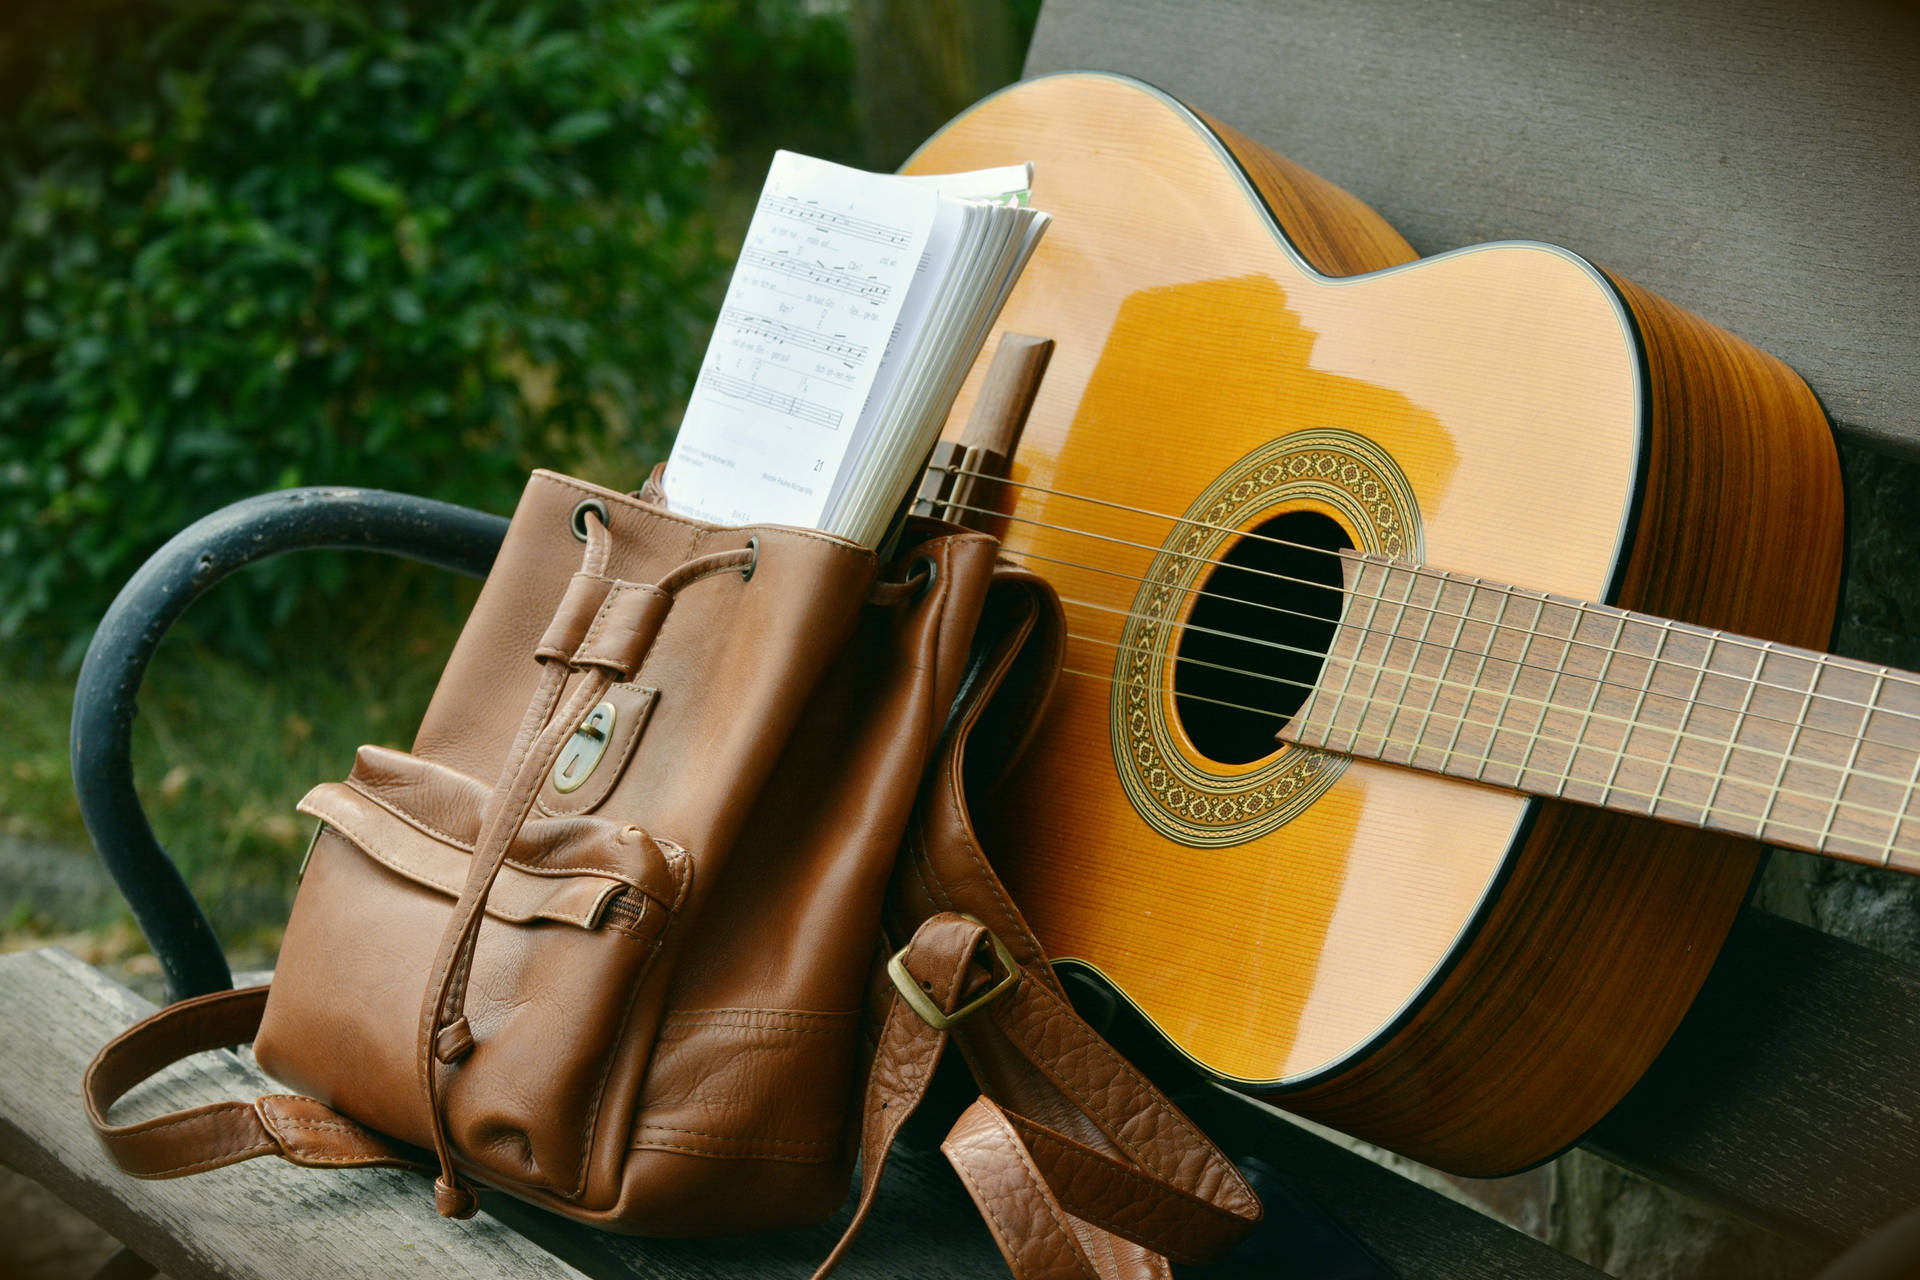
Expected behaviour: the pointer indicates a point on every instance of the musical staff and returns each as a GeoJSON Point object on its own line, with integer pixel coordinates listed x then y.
{"type": "Point", "coordinates": [846, 224]}
{"type": "Point", "coordinates": [830, 344]}
{"type": "Point", "coordinates": [752, 392]}
{"type": "Point", "coordinates": [815, 273]}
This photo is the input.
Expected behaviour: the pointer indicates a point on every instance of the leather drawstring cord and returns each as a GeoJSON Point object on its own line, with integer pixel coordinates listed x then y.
{"type": "Point", "coordinates": [603, 628]}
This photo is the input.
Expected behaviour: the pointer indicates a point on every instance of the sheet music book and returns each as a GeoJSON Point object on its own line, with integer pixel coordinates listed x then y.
{"type": "Point", "coordinates": [859, 303]}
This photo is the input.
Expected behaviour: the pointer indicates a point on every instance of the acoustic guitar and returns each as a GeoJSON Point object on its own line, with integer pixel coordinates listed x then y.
{"type": "Point", "coordinates": [1349, 822]}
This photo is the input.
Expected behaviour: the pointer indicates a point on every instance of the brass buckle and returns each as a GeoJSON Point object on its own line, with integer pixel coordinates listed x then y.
{"type": "Point", "coordinates": [930, 1013]}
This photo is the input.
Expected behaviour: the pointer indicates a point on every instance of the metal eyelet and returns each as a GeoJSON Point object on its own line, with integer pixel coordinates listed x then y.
{"type": "Point", "coordinates": [579, 518]}
{"type": "Point", "coordinates": [925, 584]}
{"type": "Point", "coordinates": [746, 572]}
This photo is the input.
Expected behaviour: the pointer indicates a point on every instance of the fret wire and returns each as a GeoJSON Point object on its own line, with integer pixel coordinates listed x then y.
{"type": "Point", "coordinates": [1426, 630]}
{"type": "Point", "coordinates": [1546, 699]}
{"type": "Point", "coordinates": [1611, 651]}
{"type": "Point", "coordinates": [1786, 756]}
{"type": "Point", "coordinates": [1506, 695]}
{"type": "Point", "coordinates": [1386, 656]}
{"type": "Point", "coordinates": [1637, 795]}
{"type": "Point", "coordinates": [1479, 669]}
{"type": "Point", "coordinates": [1846, 772]}
{"type": "Point", "coordinates": [1686, 716]}
{"type": "Point", "coordinates": [1459, 719]}
{"type": "Point", "coordinates": [1402, 566]}
{"type": "Point", "coordinates": [1631, 722]}
{"type": "Point", "coordinates": [1346, 677]}
{"type": "Point", "coordinates": [1733, 739]}
{"type": "Point", "coordinates": [1499, 624]}
{"type": "Point", "coordinates": [1633, 716]}
{"type": "Point", "coordinates": [1582, 606]}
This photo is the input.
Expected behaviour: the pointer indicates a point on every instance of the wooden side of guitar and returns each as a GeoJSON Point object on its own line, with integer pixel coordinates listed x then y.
{"type": "Point", "coordinates": [1600, 927]}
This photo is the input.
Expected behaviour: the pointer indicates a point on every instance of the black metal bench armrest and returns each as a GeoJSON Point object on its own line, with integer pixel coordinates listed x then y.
{"type": "Point", "coordinates": [436, 533]}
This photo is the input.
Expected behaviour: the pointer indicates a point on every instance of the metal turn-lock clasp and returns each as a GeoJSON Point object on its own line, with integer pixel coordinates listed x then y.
{"type": "Point", "coordinates": [582, 753]}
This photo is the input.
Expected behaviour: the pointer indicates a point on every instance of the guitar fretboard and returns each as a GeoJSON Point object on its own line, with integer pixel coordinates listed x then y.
{"type": "Point", "coordinates": [1554, 697]}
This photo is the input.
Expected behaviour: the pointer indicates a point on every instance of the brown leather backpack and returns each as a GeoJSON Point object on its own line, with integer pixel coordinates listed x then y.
{"type": "Point", "coordinates": [610, 938]}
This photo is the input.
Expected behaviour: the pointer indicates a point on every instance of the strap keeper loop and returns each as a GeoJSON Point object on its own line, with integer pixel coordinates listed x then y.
{"type": "Point", "coordinates": [932, 1014]}
{"type": "Point", "coordinates": [586, 592]}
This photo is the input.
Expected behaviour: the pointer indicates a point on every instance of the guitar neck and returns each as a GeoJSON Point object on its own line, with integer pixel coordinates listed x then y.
{"type": "Point", "coordinates": [1626, 711]}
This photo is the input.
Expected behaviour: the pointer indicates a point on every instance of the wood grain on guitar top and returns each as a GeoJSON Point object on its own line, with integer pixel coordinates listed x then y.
{"type": "Point", "coordinates": [1445, 968]}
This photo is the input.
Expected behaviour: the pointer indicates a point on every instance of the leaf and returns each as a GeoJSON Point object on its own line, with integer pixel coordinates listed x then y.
{"type": "Point", "coordinates": [406, 307]}
{"type": "Point", "coordinates": [368, 187]}
{"type": "Point", "coordinates": [572, 129]}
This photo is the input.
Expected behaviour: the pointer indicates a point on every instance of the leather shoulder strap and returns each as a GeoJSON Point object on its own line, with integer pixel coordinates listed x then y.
{"type": "Point", "coordinates": [294, 1128]}
{"type": "Point", "coordinates": [1134, 1185]}
{"type": "Point", "coordinates": [1079, 1164]}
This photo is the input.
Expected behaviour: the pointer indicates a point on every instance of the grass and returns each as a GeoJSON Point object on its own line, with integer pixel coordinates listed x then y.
{"type": "Point", "coordinates": [222, 750]}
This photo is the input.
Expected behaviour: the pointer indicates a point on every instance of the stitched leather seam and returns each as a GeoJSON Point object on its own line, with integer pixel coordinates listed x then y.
{"type": "Point", "coordinates": [723, 1137]}
{"type": "Point", "coordinates": [142, 1130]}
{"type": "Point", "coordinates": [412, 820]}
{"type": "Point", "coordinates": [214, 1162]}
{"type": "Point", "coordinates": [1161, 1110]}
{"type": "Point", "coordinates": [1000, 1230]}
{"type": "Point", "coordinates": [747, 1026]}
{"type": "Point", "coordinates": [606, 1065]}
{"type": "Point", "coordinates": [667, 847]}
{"type": "Point", "coordinates": [626, 878]}
{"type": "Point", "coordinates": [746, 1018]}
{"type": "Point", "coordinates": [780, 1156]}
{"type": "Point", "coordinates": [326, 1125]}
{"type": "Point", "coordinates": [415, 873]}
{"type": "Point", "coordinates": [1130, 1230]}
{"type": "Point", "coordinates": [685, 1014]}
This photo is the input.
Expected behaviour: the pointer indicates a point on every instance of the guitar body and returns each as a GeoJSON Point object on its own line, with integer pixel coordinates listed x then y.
{"type": "Point", "coordinates": [1448, 969]}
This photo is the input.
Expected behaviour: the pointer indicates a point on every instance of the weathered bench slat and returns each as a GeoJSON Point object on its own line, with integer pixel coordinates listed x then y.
{"type": "Point", "coordinates": [268, 1219]}
{"type": "Point", "coordinates": [1791, 1092]}
{"type": "Point", "coordinates": [263, 1219]}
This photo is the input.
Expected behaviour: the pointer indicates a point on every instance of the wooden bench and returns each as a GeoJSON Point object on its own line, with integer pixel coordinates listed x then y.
{"type": "Point", "coordinates": [1789, 1095]}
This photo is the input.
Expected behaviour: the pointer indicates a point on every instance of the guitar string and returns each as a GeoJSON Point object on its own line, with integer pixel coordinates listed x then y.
{"type": "Point", "coordinates": [1653, 660]}
{"type": "Point", "coordinates": [1423, 642]}
{"type": "Point", "coordinates": [1824, 661]}
{"type": "Point", "coordinates": [1824, 836]}
{"type": "Point", "coordinates": [1507, 700]}
{"type": "Point", "coordinates": [1564, 777]}
{"type": "Point", "coordinates": [1416, 570]}
{"type": "Point", "coordinates": [1744, 714]}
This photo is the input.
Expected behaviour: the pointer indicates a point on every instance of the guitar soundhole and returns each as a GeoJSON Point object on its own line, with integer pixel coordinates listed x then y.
{"type": "Point", "coordinates": [1258, 635]}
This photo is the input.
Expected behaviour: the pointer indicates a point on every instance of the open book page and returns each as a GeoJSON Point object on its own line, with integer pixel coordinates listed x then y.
{"type": "Point", "coordinates": [859, 303]}
{"type": "Point", "coordinates": [823, 274]}
{"type": "Point", "coordinates": [995, 244]}
{"type": "Point", "coordinates": [1007, 184]}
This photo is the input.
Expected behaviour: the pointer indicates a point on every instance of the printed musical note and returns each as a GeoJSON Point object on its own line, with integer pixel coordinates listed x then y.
{"type": "Point", "coordinates": [841, 223]}
{"type": "Point", "coordinates": [778, 331]}
{"type": "Point", "coordinates": [815, 273]}
{"type": "Point", "coordinates": [827, 263]}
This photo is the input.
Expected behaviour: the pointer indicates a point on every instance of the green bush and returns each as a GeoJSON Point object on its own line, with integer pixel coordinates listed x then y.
{"type": "Point", "coordinates": [246, 244]}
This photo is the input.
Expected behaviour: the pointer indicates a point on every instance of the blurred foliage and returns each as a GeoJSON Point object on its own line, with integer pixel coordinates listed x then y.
{"type": "Point", "coordinates": [246, 244]}
{"type": "Point", "coordinates": [405, 243]}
